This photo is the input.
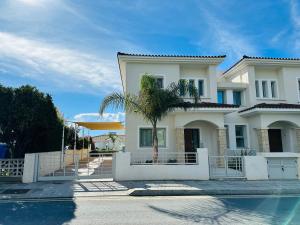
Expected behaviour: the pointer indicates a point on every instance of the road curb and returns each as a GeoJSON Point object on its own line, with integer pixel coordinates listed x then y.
{"type": "Point", "coordinates": [213, 192]}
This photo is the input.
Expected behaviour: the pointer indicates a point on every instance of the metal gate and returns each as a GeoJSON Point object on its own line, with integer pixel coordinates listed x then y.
{"type": "Point", "coordinates": [226, 167]}
{"type": "Point", "coordinates": [282, 168]}
{"type": "Point", "coordinates": [94, 166]}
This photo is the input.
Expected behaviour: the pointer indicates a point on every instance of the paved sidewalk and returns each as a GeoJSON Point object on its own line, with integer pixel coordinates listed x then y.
{"type": "Point", "coordinates": [70, 189]}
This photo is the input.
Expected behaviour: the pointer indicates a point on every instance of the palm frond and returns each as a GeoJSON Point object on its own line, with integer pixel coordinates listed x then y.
{"type": "Point", "coordinates": [117, 100]}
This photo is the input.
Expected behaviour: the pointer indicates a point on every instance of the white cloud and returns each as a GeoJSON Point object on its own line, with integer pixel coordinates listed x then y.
{"type": "Point", "coordinates": [223, 35]}
{"type": "Point", "coordinates": [295, 17]}
{"type": "Point", "coordinates": [228, 40]}
{"type": "Point", "coordinates": [30, 2]}
{"type": "Point", "coordinates": [107, 117]}
{"type": "Point", "coordinates": [66, 68]}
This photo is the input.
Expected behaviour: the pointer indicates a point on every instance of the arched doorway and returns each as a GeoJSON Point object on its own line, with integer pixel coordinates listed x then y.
{"type": "Point", "coordinates": [200, 134]}
{"type": "Point", "coordinates": [282, 136]}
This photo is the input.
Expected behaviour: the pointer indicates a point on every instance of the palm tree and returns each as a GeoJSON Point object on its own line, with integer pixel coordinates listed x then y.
{"type": "Point", "coordinates": [152, 102]}
{"type": "Point", "coordinates": [113, 137]}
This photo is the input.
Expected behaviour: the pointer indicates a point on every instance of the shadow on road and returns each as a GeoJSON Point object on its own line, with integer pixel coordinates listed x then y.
{"type": "Point", "coordinates": [276, 210]}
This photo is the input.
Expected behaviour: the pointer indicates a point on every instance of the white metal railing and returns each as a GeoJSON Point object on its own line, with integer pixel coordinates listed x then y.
{"type": "Point", "coordinates": [94, 165]}
{"type": "Point", "coordinates": [11, 167]}
{"type": "Point", "coordinates": [241, 152]}
{"type": "Point", "coordinates": [165, 158]}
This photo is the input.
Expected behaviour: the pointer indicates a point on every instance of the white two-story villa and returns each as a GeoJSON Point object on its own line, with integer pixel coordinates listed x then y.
{"type": "Point", "coordinates": [254, 105]}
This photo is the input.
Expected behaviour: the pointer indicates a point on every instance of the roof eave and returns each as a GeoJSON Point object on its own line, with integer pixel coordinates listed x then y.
{"type": "Point", "coordinates": [172, 59]}
{"type": "Point", "coordinates": [267, 110]}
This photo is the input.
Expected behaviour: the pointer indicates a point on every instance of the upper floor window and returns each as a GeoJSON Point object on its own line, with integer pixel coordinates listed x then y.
{"type": "Point", "coordinates": [159, 82]}
{"type": "Point", "coordinates": [198, 83]}
{"type": "Point", "coordinates": [221, 97]}
{"type": "Point", "coordinates": [273, 89]}
{"type": "Point", "coordinates": [237, 97]}
{"type": "Point", "coordinates": [266, 88]}
{"type": "Point", "coordinates": [257, 88]}
{"type": "Point", "coordinates": [299, 88]}
{"type": "Point", "coordinates": [191, 85]}
{"type": "Point", "coordinates": [201, 87]}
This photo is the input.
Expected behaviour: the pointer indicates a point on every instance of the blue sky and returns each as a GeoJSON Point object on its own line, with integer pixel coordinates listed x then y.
{"type": "Point", "coordinates": [68, 48]}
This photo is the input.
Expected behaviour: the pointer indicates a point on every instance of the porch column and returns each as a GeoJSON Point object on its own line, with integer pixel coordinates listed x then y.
{"type": "Point", "coordinates": [222, 142]}
{"type": "Point", "coordinates": [179, 139]}
{"type": "Point", "coordinates": [297, 130]}
{"type": "Point", "coordinates": [263, 140]}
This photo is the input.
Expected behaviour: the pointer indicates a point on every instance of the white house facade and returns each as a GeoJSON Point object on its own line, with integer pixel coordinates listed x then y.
{"type": "Point", "coordinates": [251, 107]}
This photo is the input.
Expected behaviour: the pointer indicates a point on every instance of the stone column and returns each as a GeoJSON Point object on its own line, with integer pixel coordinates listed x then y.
{"type": "Point", "coordinates": [179, 139]}
{"type": "Point", "coordinates": [222, 142]}
{"type": "Point", "coordinates": [297, 140]}
{"type": "Point", "coordinates": [180, 143]}
{"type": "Point", "coordinates": [263, 140]}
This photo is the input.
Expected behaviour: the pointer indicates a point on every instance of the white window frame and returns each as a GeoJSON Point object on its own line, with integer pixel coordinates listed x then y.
{"type": "Point", "coordinates": [226, 126]}
{"type": "Point", "coordinates": [147, 127]}
{"type": "Point", "coordinates": [298, 88]}
{"type": "Point", "coordinates": [155, 76]}
{"type": "Point", "coordinates": [243, 100]}
{"type": "Point", "coordinates": [246, 139]}
{"type": "Point", "coordinates": [196, 80]}
{"type": "Point", "coordinates": [269, 91]}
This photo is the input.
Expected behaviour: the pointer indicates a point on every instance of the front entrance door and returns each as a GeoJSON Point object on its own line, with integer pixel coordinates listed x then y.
{"type": "Point", "coordinates": [275, 140]}
{"type": "Point", "coordinates": [191, 143]}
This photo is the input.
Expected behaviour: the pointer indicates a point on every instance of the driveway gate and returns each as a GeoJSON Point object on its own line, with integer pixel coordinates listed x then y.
{"type": "Point", "coordinates": [95, 166]}
{"type": "Point", "coordinates": [226, 167]}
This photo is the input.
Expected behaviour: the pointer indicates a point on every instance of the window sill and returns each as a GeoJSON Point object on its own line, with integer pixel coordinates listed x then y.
{"type": "Point", "coordinates": [151, 148]}
{"type": "Point", "coordinates": [270, 99]}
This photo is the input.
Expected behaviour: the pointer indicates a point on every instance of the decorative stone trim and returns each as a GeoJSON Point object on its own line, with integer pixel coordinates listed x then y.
{"type": "Point", "coordinates": [297, 140]}
{"type": "Point", "coordinates": [263, 140]}
{"type": "Point", "coordinates": [222, 142]}
{"type": "Point", "coordinates": [179, 139]}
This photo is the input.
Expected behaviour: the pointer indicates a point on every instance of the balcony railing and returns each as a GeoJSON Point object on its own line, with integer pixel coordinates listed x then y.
{"type": "Point", "coordinates": [165, 158]}
{"type": "Point", "coordinates": [241, 152]}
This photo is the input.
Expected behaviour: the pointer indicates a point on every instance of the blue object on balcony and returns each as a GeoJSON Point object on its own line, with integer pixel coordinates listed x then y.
{"type": "Point", "coordinates": [3, 150]}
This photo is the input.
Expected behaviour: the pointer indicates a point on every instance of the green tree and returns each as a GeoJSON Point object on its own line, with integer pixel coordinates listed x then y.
{"type": "Point", "coordinates": [152, 102]}
{"type": "Point", "coordinates": [29, 121]}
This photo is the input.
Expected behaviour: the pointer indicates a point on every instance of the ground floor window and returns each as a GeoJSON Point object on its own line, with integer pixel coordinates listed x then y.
{"type": "Point", "coordinates": [240, 136]}
{"type": "Point", "coordinates": [227, 135]}
{"type": "Point", "coordinates": [146, 137]}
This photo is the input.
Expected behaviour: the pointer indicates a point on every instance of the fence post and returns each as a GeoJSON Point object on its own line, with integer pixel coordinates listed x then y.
{"type": "Point", "coordinates": [30, 168]}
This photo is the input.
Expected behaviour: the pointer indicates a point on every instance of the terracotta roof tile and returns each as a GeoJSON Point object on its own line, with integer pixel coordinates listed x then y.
{"type": "Point", "coordinates": [205, 105]}
{"type": "Point", "coordinates": [272, 106]}
{"type": "Point", "coordinates": [158, 55]}
{"type": "Point", "coordinates": [257, 57]}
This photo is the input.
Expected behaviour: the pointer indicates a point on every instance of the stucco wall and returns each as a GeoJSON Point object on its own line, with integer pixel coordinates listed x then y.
{"type": "Point", "coordinates": [122, 170]}
{"type": "Point", "coordinates": [256, 168]}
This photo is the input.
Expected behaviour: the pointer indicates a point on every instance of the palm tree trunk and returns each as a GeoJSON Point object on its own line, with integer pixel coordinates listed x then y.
{"type": "Point", "coordinates": [155, 142]}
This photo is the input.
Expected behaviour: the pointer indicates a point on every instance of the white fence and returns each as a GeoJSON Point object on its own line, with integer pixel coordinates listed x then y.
{"type": "Point", "coordinates": [226, 167]}
{"type": "Point", "coordinates": [123, 169]}
{"type": "Point", "coordinates": [165, 158]}
{"type": "Point", "coordinates": [11, 167]}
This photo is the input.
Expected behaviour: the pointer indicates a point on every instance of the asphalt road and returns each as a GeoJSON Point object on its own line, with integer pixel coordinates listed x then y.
{"type": "Point", "coordinates": [154, 210]}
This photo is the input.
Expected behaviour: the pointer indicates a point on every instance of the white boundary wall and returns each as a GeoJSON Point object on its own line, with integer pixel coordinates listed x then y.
{"type": "Point", "coordinates": [48, 161]}
{"type": "Point", "coordinates": [123, 170]}
{"type": "Point", "coordinates": [256, 168]}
